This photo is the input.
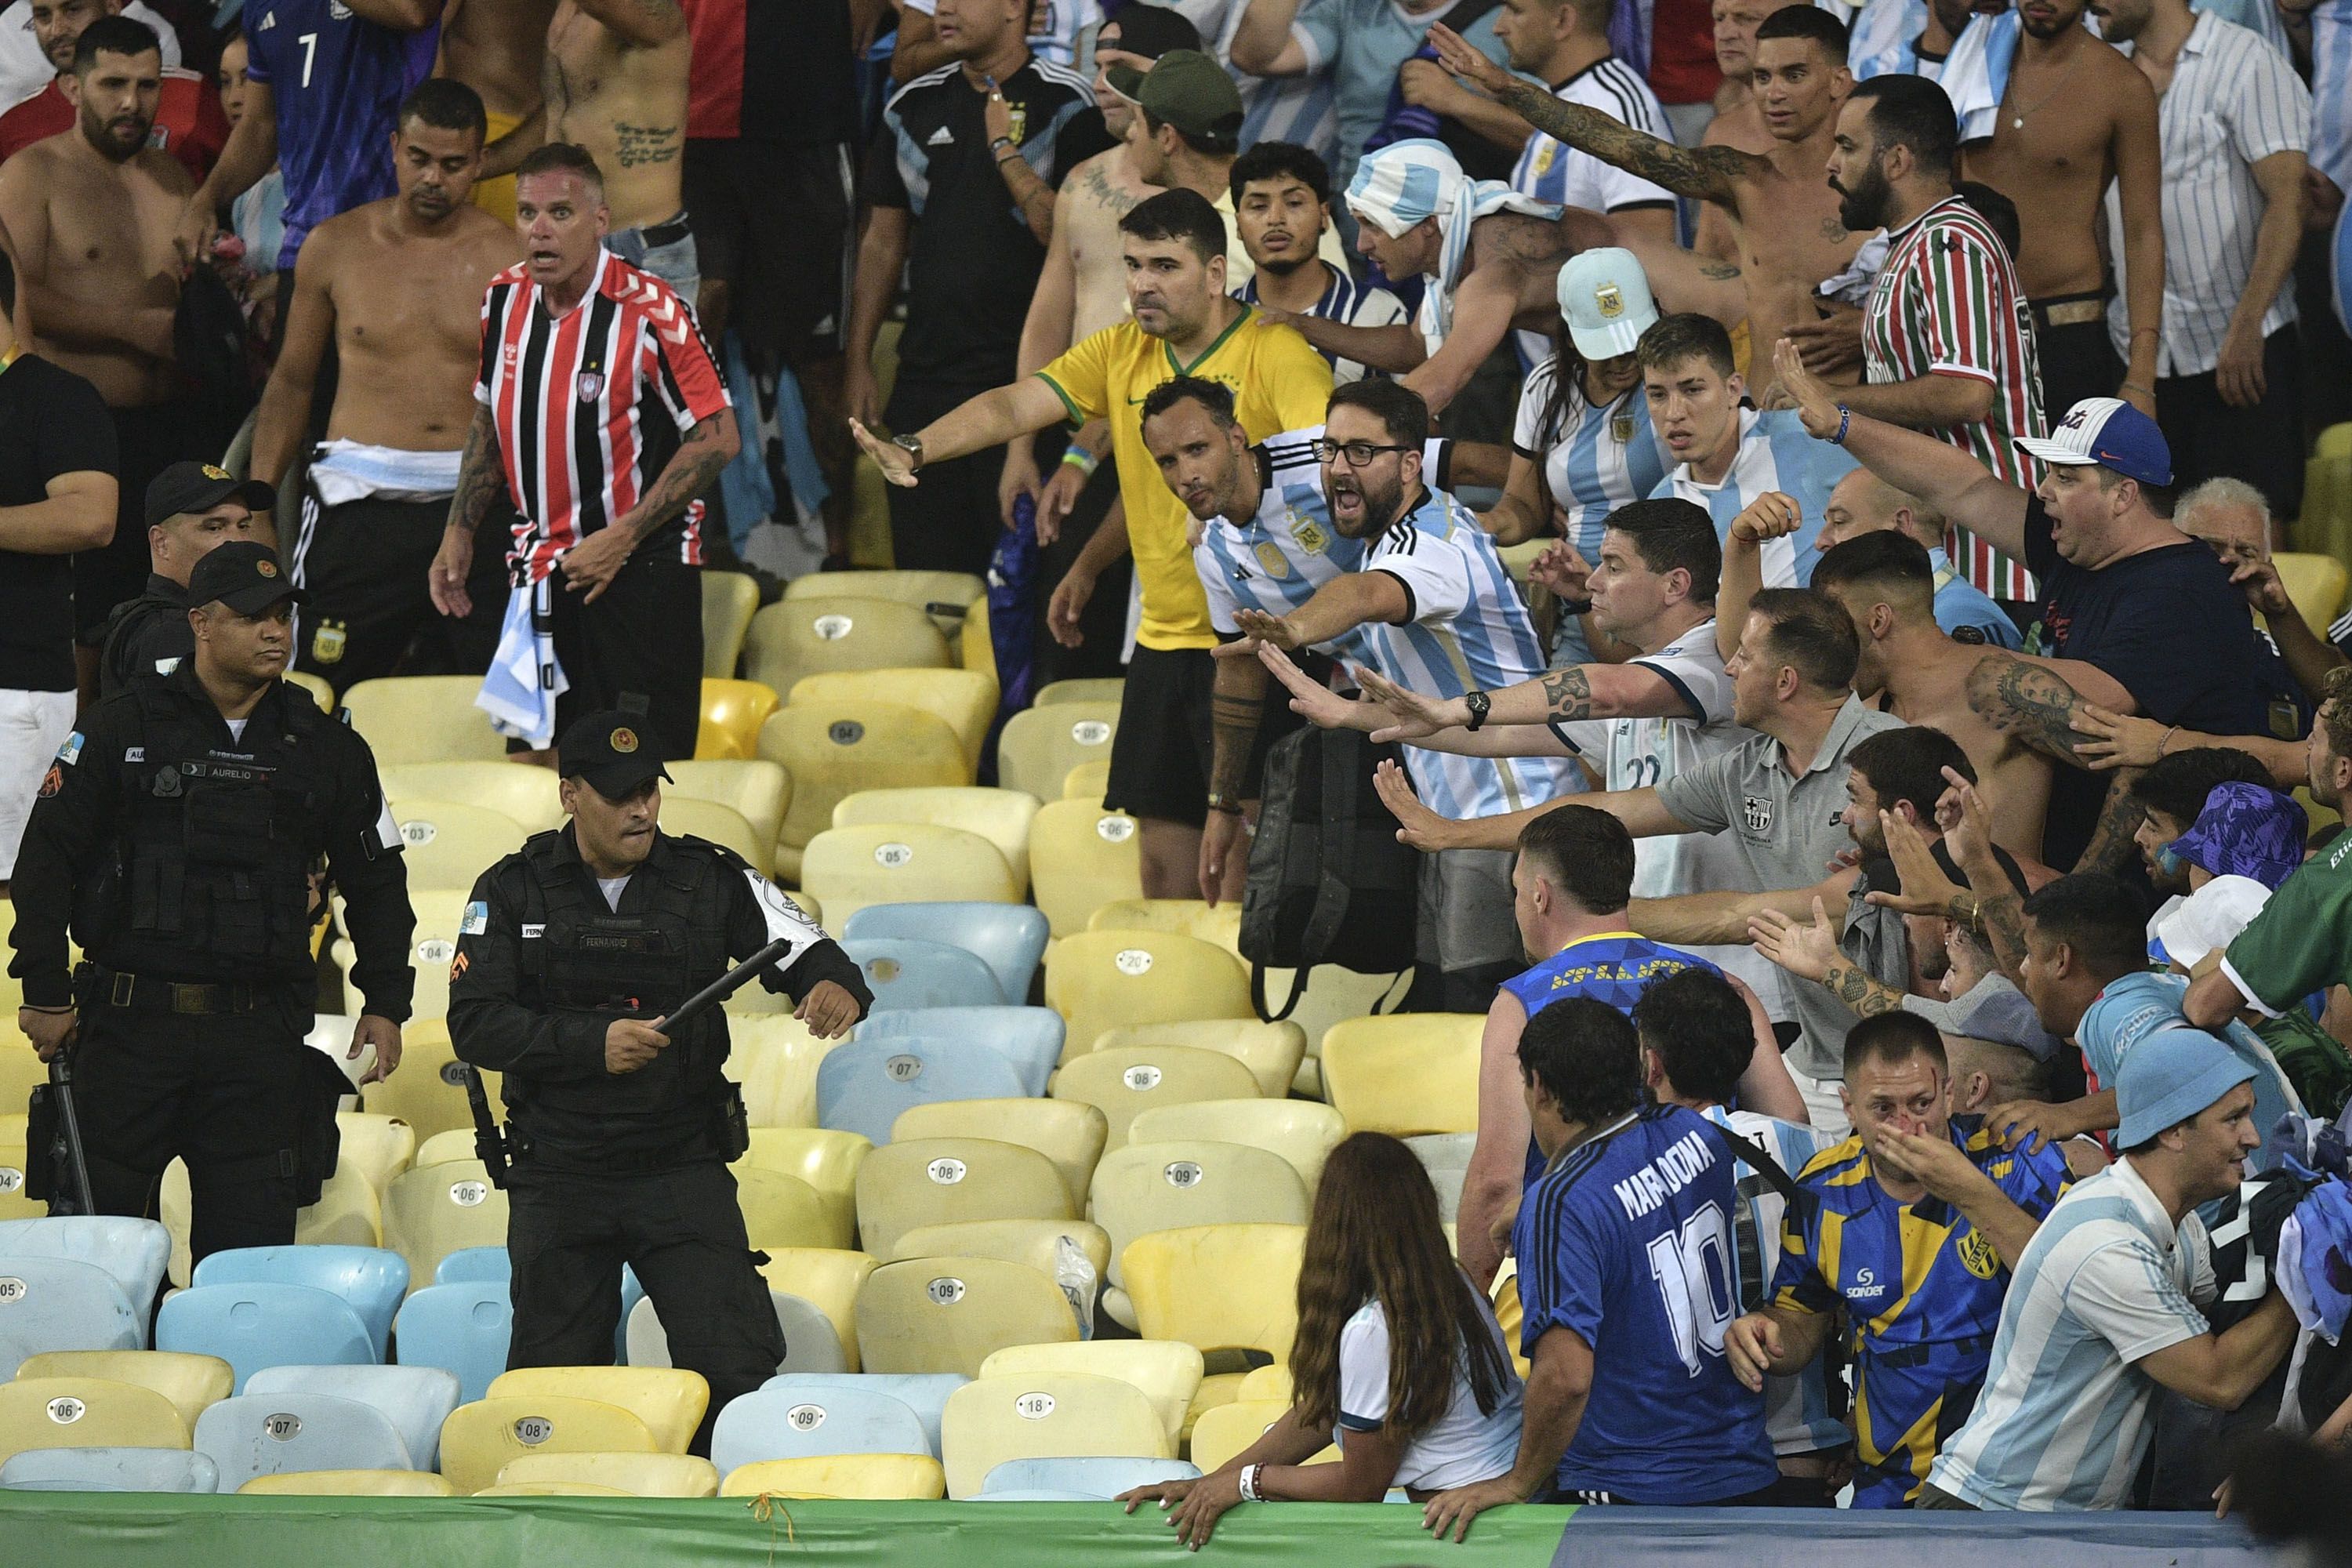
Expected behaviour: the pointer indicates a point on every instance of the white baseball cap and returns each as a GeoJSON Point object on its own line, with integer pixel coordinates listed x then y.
{"type": "Point", "coordinates": [2107, 432]}
{"type": "Point", "coordinates": [1605, 296]}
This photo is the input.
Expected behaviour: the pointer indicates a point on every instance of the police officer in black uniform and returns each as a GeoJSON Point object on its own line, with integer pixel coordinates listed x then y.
{"type": "Point", "coordinates": [191, 508]}
{"type": "Point", "coordinates": [176, 833]}
{"type": "Point", "coordinates": [571, 952]}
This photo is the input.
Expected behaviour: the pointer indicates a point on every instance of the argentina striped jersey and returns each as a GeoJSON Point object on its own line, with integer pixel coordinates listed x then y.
{"type": "Point", "coordinates": [1775, 454]}
{"type": "Point", "coordinates": [1287, 548]}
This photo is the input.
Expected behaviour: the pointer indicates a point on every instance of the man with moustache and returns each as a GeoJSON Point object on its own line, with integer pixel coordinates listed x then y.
{"type": "Point", "coordinates": [1282, 212]}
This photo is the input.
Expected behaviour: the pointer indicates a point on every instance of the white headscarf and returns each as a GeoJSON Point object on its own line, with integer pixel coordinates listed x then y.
{"type": "Point", "coordinates": [1406, 183]}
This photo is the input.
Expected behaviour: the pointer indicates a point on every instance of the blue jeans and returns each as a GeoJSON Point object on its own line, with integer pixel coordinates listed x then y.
{"type": "Point", "coordinates": [666, 250]}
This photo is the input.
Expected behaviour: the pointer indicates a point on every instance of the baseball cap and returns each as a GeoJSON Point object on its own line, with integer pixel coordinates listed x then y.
{"type": "Point", "coordinates": [2246, 830]}
{"type": "Point", "coordinates": [2107, 432]}
{"type": "Point", "coordinates": [610, 751]}
{"type": "Point", "coordinates": [200, 487]}
{"type": "Point", "coordinates": [2169, 1078]}
{"type": "Point", "coordinates": [245, 576]}
{"type": "Point", "coordinates": [2209, 919]}
{"type": "Point", "coordinates": [1186, 89]}
{"type": "Point", "coordinates": [1992, 1009]}
{"type": "Point", "coordinates": [1604, 296]}
{"type": "Point", "coordinates": [1151, 31]}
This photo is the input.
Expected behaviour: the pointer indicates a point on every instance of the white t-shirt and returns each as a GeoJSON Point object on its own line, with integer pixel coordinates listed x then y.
{"type": "Point", "coordinates": [1461, 1446]}
{"type": "Point", "coordinates": [611, 888]}
{"type": "Point", "coordinates": [236, 728]}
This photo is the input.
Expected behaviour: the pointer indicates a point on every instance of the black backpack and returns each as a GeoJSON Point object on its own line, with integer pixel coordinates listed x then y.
{"type": "Point", "coordinates": [1329, 883]}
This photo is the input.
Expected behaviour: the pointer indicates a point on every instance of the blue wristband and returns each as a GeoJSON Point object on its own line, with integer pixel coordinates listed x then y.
{"type": "Point", "coordinates": [1845, 423]}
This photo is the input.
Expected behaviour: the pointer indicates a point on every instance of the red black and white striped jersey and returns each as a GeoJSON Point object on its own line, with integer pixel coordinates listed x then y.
{"type": "Point", "coordinates": [1948, 302]}
{"type": "Point", "coordinates": [590, 405]}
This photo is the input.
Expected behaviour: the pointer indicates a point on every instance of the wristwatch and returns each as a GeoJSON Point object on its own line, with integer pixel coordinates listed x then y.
{"type": "Point", "coordinates": [1478, 702]}
{"type": "Point", "coordinates": [1225, 803]}
{"type": "Point", "coordinates": [913, 446]}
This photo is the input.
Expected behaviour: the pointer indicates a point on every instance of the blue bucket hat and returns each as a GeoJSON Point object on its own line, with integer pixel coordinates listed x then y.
{"type": "Point", "coordinates": [2246, 830]}
{"type": "Point", "coordinates": [2170, 1077]}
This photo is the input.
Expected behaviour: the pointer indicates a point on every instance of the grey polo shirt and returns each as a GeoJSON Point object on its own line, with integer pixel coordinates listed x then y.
{"type": "Point", "coordinates": [1786, 830]}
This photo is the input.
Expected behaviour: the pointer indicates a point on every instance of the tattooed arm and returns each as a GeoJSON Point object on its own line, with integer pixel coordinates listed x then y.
{"type": "Point", "coordinates": [1557, 697]}
{"type": "Point", "coordinates": [693, 468]}
{"type": "Point", "coordinates": [480, 481]}
{"type": "Point", "coordinates": [2034, 702]}
{"type": "Point", "coordinates": [2113, 848]}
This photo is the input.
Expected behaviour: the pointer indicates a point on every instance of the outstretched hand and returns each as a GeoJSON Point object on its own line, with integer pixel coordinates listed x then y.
{"type": "Point", "coordinates": [1806, 391]}
{"type": "Point", "coordinates": [1411, 714]}
{"type": "Point", "coordinates": [898, 464]}
{"type": "Point", "coordinates": [1804, 951]}
{"type": "Point", "coordinates": [1925, 890]}
{"type": "Point", "coordinates": [1309, 699]}
{"type": "Point", "coordinates": [1456, 55]}
{"type": "Point", "coordinates": [1420, 828]}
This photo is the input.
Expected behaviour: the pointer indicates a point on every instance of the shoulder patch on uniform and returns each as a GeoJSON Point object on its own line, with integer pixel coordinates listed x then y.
{"type": "Point", "coordinates": [166, 666]}
{"type": "Point", "coordinates": [477, 920]}
{"type": "Point", "coordinates": [70, 753]}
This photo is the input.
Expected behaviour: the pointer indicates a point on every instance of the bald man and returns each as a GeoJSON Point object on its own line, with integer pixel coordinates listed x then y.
{"type": "Point", "coordinates": [1865, 503]}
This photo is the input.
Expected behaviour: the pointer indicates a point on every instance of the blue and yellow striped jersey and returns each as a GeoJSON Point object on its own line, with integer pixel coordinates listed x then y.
{"type": "Point", "coordinates": [1922, 1288]}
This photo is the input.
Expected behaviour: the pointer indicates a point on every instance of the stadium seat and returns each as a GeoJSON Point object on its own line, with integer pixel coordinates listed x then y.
{"type": "Point", "coordinates": [1168, 1186]}
{"type": "Point", "coordinates": [1033, 1243]}
{"type": "Point", "coordinates": [796, 638]}
{"type": "Point", "coordinates": [947, 597]}
{"type": "Point", "coordinates": [1090, 689]}
{"type": "Point", "coordinates": [371, 1280]}
{"type": "Point", "coordinates": [877, 1478]}
{"type": "Point", "coordinates": [85, 1413]}
{"type": "Point", "coordinates": [780, 1210]}
{"type": "Point", "coordinates": [756, 791]}
{"type": "Point", "coordinates": [924, 1393]}
{"type": "Point", "coordinates": [189, 1381]}
{"type": "Point", "coordinates": [1405, 1074]}
{"type": "Point", "coordinates": [1029, 1037]}
{"type": "Point", "coordinates": [481, 1438]}
{"type": "Point", "coordinates": [964, 699]}
{"type": "Point", "coordinates": [975, 645]}
{"type": "Point", "coordinates": [639, 1475]}
{"type": "Point", "coordinates": [446, 844]}
{"type": "Point", "coordinates": [1300, 1132]}
{"type": "Point", "coordinates": [1271, 1051]}
{"type": "Point", "coordinates": [446, 1148]}
{"type": "Point", "coordinates": [317, 690]}
{"type": "Point", "coordinates": [253, 1325]}
{"type": "Point", "coordinates": [348, 1483]}
{"type": "Point", "coordinates": [670, 1401]}
{"type": "Point", "coordinates": [63, 1305]}
{"type": "Point", "coordinates": [520, 791]}
{"type": "Point", "coordinates": [948, 1314]}
{"type": "Point", "coordinates": [264, 1434]}
{"type": "Point", "coordinates": [1167, 1371]}
{"type": "Point", "coordinates": [863, 1087]}
{"type": "Point", "coordinates": [440, 912]}
{"type": "Point", "coordinates": [2316, 584]}
{"type": "Point", "coordinates": [377, 1147]}
{"type": "Point", "coordinates": [733, 712]}
{"type": "Point", "coordinates": [944, 1181]}
{"type": "Point", "coordinates": [826, 1160]}
{"type": "Point", "coordinates": [826, 1281]}
{"type": "Point", "coordinates": [110, 1470]}
{"type": "Point", "coordinates": [1225, 1430]}
{"type": "Point", "coordinates": [1070, 1132]}
{"type": "Point", "coordinates": [1333, 995]}
{"type": "Point", "coordinates": [475, 1264]}
{"type": "Point", "coordinates": [1048, 1415]}
{"type": "Point", "coordinates": [684, 815]}
{"type": "Point", "coordinates": [415, 1399]}
{"type": "Point", "coordinates": [428, 1092]}
{"type": "Point", "coordinates": [424, 719]}
{"type": "Point", "coordinates": [780, 1059]}
{"type": "Point", "coordinates": [1038, 747]}
{"type": "Point", "coordinates": [1446, 1157]}
{"type": "Point", "coordinates": [1099, 1476]}
{"type": "Point", "coordinates": [1101, 980]}
{"type": "Point", "coordinates": [903, 863]}
{"type": "Point", "coordinates": [13, 1203]}
{"type": "Point", "coordinates": [1000, 816]}
{"type": "Point", "coordinates": [1220, 926]}
{"type": "Point", "coordinates": [1218, 1287]}
{"type": "Point", "coordinates": [1271, 1381]}
{"type": "Point", "coordinates": [461, 1328]}
{"type": "Point", "coordinates": [551, 1488]}
{"type": "Point", "coordinates": [348, 1213]}
{"type": "Point", "coordinates": [810, 1341]}
{"type": "Point", "coordinates": [1010, 938]}
{"type": "Point", "coordinates": [1087, 780]}
{"type": "Point", "coordinates": [1081, 856]}
{"type": "Point", "coordinates": [836, 750]}
{"type": "Point", "coordinates": [432, 1212]}
{"type": "Point", "coordinates": [774, 1423]}
{"type": "Point", "coordinates": [1126, 1083]}
{"type": "Point", "coordinates": [729, 599]}
{"type": "Point", "coordinates": [130, 1252]}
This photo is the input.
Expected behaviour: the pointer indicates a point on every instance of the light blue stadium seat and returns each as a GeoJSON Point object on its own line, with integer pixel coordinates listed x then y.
{"type": "Point", "coordinates": [904, 972]}
{"type": "Point", "coordinates": [135, 1252]}
{"type": "Point", "coordinates": [64, 1305]}
{"type": "Point", "coordinates": [862, 1087]}
{"type": "Point", "coordinates": [1033, 1494]}
{"type": "Point", "coordinates": [780, 1423]}
{"type": "Point", "coordinates": [1091, 1477]}
{"type": "Point", "coordinates": [490, 1265]}
{"type": "Point", "coordinates": [371, 1278]}
{"type": "Point", "coordinates": [924, 1393]}
{"type": "Point", "coordinates": [270, 1434]}
{"type": "Point", "coordinates": [415, 1399]}
{"type": "Point", "coordinates": [1028, 1037]}
{"type": "Point", "coordinates": [1009, 937]}
{"type": "Point", "coordinates": [462, 1329]}
{"type": "Point", "coordinates": [108, 1470]}
{"type": "Point", "coordinates": [258, 1325]}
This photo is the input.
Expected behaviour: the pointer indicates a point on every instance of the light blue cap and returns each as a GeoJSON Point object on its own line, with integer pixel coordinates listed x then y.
{"type": "Point", "coordinates": [2169, 1078]}
{"type": "Point", "coordinates": [1605, 296]}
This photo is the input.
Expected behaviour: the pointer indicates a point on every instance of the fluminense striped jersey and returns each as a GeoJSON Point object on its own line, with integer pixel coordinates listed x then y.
{"type": "Point", "coordinates": [590, 405]}
{"type": "Point", "coordinates": [1287, 550]}
{"type": "Point", "coordinates": [1594, 460]}
{"type": "Point", "coordinates": [1775, 454]}
{"type": "Point", "coordinates": [1948, 302]}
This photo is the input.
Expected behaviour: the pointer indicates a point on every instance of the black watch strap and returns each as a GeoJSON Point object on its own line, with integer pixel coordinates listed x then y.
{"type": "Point", "coordinates": [1478, 702]}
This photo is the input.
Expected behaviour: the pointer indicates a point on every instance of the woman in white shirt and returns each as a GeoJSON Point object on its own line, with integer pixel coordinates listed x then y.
{"type": "Point", "coordinates": [1398, 1359]}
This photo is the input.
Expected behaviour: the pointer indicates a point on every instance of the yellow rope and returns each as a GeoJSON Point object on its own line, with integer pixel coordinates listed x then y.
{"type": "Point", "coordinates": [764, 1508]}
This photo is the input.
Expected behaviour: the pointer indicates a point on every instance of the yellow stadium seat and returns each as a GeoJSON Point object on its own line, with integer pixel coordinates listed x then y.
{"type": "Point", "coordinates": [801, 637]}
{"type": "Point", "coordinates": [1000, 816]}
{"type": "Point", "coordinates": [1047, 1415]}
{"type": "Point", "coordinates": [669, 1399]}
{"type": "Point", "coordinates": [836, 749]}
{"type": "Point", "coordinates": [1221, 926]}
{"type": "Point", "coordinates": [1175, 1185]}
{"type": "Point", "coordinates": [964, 699]}
{"type": "Point", "coordinates": [424, 719]}
{"type": "Point", "coordinates": [349, 1213]}
{"type": "Point", "coordinates": [427, 1091]}
{"type": "Point", "coordinates": [827, 1279]}
{"type": "Point", "coordinates": [683, 815]}
{"type": "Point", "coordinates": [1069, 1132]}
{"type": "Point", "coordinates": [1333, 995]}
{"type": "Point", "coordinates": [1129, 1081]}
{"type": "Point", "coordinates": [1266, 1382]}
{"type": "Point", "coordinates": [1101, 980]}
{"type": "Point", "coordinates": [903, 863]}
{"type": "Point", "coordinates": [948, 1314]}
{"type": "Point", "coordinates": [1405, 1074]}
{"type": "Point", "coordinates": [458, 1143]}
{"type": "Point", "coordinates": [781, 1058]}
{"type": "Point", "coordinates": [1082, 857]}
{"type": "Point", "coordinates": [433, 1211]}
{"type": "Point", "coordinates": [1033, 1243]}
{"type": "Point", "coordinates": [757, 791]}
{"type": "Point", "coordinates": [98, 1413]}
{"type": "Point", "coordinates": [2316, 584]}
{"type": "Point", "coordinates": [729, 599]}
{"type": "Point", "coordinates": [478, 1439]}
{"type": "Point", "coordinates": [552, 1489]}
{"type": "Point", "coordinates": [942, 1181]}
{"type": "Point", "coordinates": [1301, 1133]}
{"type": "Point", "coordinates": [1509, 1316]}
{"type": "Point", "coordinates": [1218, 1287]}
{"type": "Point", "coordinates": [189, 1381]}
{"type": "Point", "coordinates": [638, 1475]}
{"type": "Point", "coordinates": [13, 1204]}
{"type": "Point", "coordinates": [826, 1160]}
{"type": "Point", "coordinates": [872, 1478]}
{"type": "Point", "coordinates": [945, 597]}
{"type": "Point", "coordinates": [348, 1483]}
{"type": "Point", "coordinates": [1039, 746]}
{"type": "Point", "coordinates": [446, 844]}
{"type": "Point", "coordinates": [1090, 689]}
{"type": "Point", "coordinates": [378, 1147]}
{"type": "Point", "coordinates": [432, 947]}
{"type": "Point", "coordinates": [1228, 1429]}
{"type": "Point", "coordinates": [1087, 782]}
{"type": "Point", "coordinates": [975, 647]}
{"type": "Point", "coordinates": [780, 1210]}
{"type": "Point", "coordinates": [1271, 1051]}
{"type": "Point", "coordinates": [733, 712]}
{"type": "Point", "coordinates": [1166, 1371]}
{"type": "Point", "coordinates": [318, 691]}
{"type": "Point", "coordinates": [522, 792]}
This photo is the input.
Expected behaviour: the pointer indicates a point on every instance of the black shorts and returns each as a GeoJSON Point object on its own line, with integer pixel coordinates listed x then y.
{"type": "Point", "coordinates": [637, 648]}
{"type": "Point", "coordinates": [1161, 758]}
{"type": "Point", "coordinates": [364, 565]}
{"type": "Point", "coordinates": [771, 221]}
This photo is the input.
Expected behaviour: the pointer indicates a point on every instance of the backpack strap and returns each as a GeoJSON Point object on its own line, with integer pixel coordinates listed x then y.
{"type": "Point", "coordinates": [1335, 867]}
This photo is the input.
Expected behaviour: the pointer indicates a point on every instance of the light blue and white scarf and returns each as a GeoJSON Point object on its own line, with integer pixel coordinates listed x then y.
{"type": "Point", "coordinates": [1407, 182]}
{"type": "Point", "coordinates": [1977, 74]}
{"type": "Point", "coordinates": [524, 680]}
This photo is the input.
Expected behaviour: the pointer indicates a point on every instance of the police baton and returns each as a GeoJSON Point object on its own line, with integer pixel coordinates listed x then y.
{"type": "Point", "coordinates": [67, 1149]}
{"type": "Point", "coordinates": [725, 985]}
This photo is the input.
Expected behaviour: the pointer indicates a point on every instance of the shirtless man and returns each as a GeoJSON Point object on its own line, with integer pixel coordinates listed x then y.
{"type": "Point", "coordinates": [397, 287]}
{"type": "Point", "coordinates": [2076, 117]}
{"type": "Point", "coordinates": [498, 47]}
{"type": "Point", "coordinates": [1739, 119]}
{"type": "Point", "coordinates": [92, 212]}
{"type": "Point", "coordinates": [1790, 238]}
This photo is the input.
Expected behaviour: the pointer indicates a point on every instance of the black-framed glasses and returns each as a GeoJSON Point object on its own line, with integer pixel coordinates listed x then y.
{"type": "Point", "coordinates": [1360, 454]}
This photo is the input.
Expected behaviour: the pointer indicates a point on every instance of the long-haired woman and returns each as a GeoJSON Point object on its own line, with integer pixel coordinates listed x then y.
{"type": "Point", "coordinates": [1398, 1358]}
